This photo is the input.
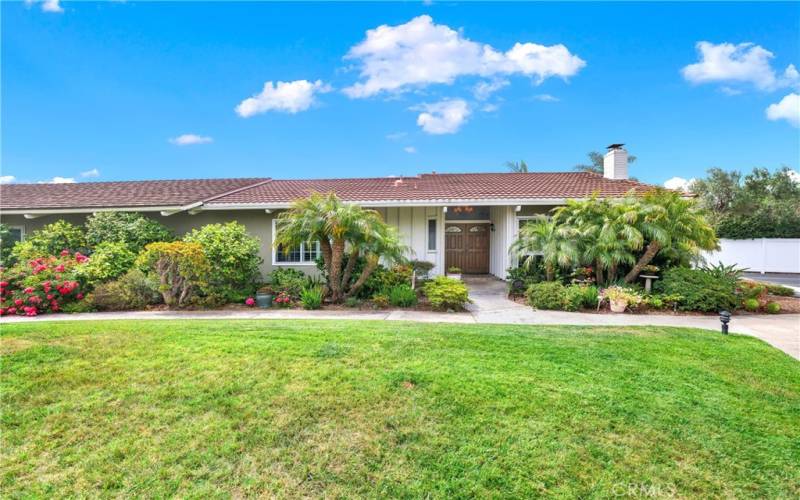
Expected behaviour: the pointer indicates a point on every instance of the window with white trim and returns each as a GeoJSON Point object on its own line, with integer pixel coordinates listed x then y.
{"type": "Point", "coordinates": [432, 223]}
{"type": "Point", "coordinates": [303, 254]}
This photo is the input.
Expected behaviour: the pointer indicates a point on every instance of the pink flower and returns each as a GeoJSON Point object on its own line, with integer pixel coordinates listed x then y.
{"type": "Point", "coordinates": [49, 296]}
{"type": "Point", "coordinates": [2, 311]}
{"type": "Point", "coordinates": [64, 252]}
{"type": "Point", "coordinates": [19, 302]}
{"type": "Point", "coordinates": [79, 296]}
{"type": "Point", "coordinates": [54, 306]}
{"type": "Point", "coordinates": [28, 290]}
{"type": "Point", "coordinates": [30, 311]}
{"type": "Point", "coordinates": [250, 301]}
{"type": "Point", "coordinates": [12, 310]}
{"type": "Point", "coordinates": [60, 268]}
{"type": "Point", "coordinates": [80, 257]}
{"type": "Point", "coordinates": [3, 284]}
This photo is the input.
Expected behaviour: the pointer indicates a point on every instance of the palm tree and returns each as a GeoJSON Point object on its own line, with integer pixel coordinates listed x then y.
{"type": "Point", "coordinates": [605, 233]}
{"type": "Point", "coordinates": [519, 167]}
{"type": "Point", "coordinates": [670, 221]}
{"type": "Point", "coordinates": [554, 241]}
{"type": "Point", "coordinates": [343, 230]}
{"type": "Point", "coordinates": [596, 165]}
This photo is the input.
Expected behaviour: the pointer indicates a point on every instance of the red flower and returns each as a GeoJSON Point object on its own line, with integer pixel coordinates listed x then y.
{"type": "Point", "coordinates": [30, 311]}
{"type": "Point", "coordinates": [64, 252]}
{"type": "Point", "coordinates": [2, 311]}
{"type": "Point", "coordinates": [49, 296]}
{"type": "Point", "coordinates": [12, 310]}
{"type": "Point", "coordinates": [3, 284]}
{"type": "Point", "coordinates": [28, 290]}
{"type": "Point", "coordinates": [80, 257]}
{"type": "Point", "coordinates": [19, 302]}
{"type": "Point", "coordinates": [60, 269]}
{"type": "Point", "coordinates": [79, 296]}
{"type": "Point", "coordinates": [54, 306]}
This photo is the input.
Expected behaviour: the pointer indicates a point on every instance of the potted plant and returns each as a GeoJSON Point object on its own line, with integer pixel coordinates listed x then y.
{"type": "Point", "coordinates": [620, 298]}
{"type": "Point", "coordinates": [651, 270]}
{"type": "Point", "coordinates": [454, 272]}
{"type": "Point", "coordinates": [264, 297]}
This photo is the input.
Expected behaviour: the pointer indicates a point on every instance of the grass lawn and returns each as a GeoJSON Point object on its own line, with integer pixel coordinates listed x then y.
{"type": "Point", "coordinates": [342, 409]}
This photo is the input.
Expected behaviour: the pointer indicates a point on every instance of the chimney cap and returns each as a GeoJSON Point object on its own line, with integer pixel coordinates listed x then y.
{"type": "Point", "coordinates": [614, 146]}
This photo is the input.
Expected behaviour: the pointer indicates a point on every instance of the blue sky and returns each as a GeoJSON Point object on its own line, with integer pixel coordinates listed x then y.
{"type": "Point", "coordinates": [133, 90]}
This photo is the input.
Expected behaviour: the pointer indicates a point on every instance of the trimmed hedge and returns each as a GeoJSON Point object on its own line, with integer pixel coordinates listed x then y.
{"type": "Point", "coordinates": [699, 290]}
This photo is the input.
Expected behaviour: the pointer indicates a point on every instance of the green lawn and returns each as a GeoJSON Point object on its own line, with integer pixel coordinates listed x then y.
{"type": "Point", "coordinates": [342, 409]}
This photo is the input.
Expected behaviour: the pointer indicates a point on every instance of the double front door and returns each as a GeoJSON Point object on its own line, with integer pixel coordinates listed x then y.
{"type": "Point", "coordinates": [467, 247]}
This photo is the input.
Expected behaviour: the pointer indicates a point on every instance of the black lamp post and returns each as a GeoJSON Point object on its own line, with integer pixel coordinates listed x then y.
{"type": "Point", "coordinates": [724, 318]}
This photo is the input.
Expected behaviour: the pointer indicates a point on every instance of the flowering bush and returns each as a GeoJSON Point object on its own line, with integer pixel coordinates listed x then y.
{"type": "Point", "coordinates": [283, 300]}
{"type": "Point", "coordinates": [49, 240]}
{"type": "Point", "coordinates": [619, 294]}
{"type": "Point", "coordinates": [44, 284]}
{"type": "Point", "coordinates": [250, 301]}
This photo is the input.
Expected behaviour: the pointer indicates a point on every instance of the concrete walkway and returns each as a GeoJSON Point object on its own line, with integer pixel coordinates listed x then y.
{"type": "Point", "coordinates": [490, 305]}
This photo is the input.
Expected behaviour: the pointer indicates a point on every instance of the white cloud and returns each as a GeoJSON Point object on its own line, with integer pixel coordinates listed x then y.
{"type": "Point", "coordinates": [742, 63]}
{"type": "Point", "coordinates": [679, 183]}
{"type": "Point", "coordinates": [490, 108]}
{"type": "Point", "coordinates": [286, 97]}
{"type": "Point", "coordinates": [189, 139]}
{"type": "Point", "coordinates": [546, 98]}
{"type": "Point", "coordinates": [59, 180]}
{"type": "Point", "coordinates": [483, 90]}
{"type": "Point", "coordinates": [47, 5]}
{"type": "Point", "coordinates": [91, 173]}
{"type": "Point", "coordinates": [410, 149]}
{"type": "Point", "coordinates": [443, 117]}
{"type": "Point", "coordinates": [420, 53]}
{"type": "Point", "coordinates": [787, 109]}
{"type": "Point", "coordinates": [7, 179]}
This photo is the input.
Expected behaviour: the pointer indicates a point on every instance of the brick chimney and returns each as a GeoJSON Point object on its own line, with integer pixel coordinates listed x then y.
{"type": "Point", "coordinates": [615, 162]}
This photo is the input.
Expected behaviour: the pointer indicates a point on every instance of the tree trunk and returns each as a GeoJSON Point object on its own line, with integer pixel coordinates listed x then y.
{"type": "Point", "coordinates": [348, 269]}
{"type": "Point", "coordinates": [646, 258]}
{"type": "Point", "coordinates": [549, 273]}
{"type": "Point", "coordinates": [612, 273]}
{"type": "Point", "coordinates": [598, 273]}
{"type": "Point", "coordinates": [372, 264]}
{"type": "Point", "coordinates": [337, 256]}
{"type": "Point", "coordinates": [325, 248]}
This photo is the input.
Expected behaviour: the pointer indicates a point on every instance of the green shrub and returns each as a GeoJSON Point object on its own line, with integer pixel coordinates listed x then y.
{"type": "Point", "coordinates": [134, 290]}
{"type": "Point", "coordinates": [132, 229]}
{"type": "Point", "coordinates": [699, 290]}
{"type": "Point", "coordinates": [380, 301]}
{"type": "Point", "coordinates": [662, 301]}
{"type": "Point", "coordinates": [752, 290]}
{"type": "Point", "coordinates": [773, 307]}
{"type": "Point", "coordinates": [402, 296]}
{"type": "Point", "coordinates": [6, 244]}
{"type": "Point", "coordinates": [288, 280]}
{"type": "Point", "coordinates": [352, 302]}
{"type": "Point", "coordinates": [182, 269]}
{"type": "Point", "coordinates": [233, 255]}
{"type": "Point", "coordinates": [780, 290]}
{"type": "Point", "coordinates": [547, 295]}
{"type": "Point", "coordinates": [751, 305]}
{"type": "Point", "coordinates": [446, 293]}
{"type": "Point", "coordinates": [109, 261]}
{"type": "Point", "coordinates": [50, 240]}
{"type": "Point", "coordinates": [383, 279]}
{"type": "Point", "coordinates": [311, 297]}
{"type": "Point", "coordinates": [580, 297]}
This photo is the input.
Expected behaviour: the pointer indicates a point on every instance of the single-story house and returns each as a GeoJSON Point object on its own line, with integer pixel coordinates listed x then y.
{"type": "Point", "coordinates": [464, 220]}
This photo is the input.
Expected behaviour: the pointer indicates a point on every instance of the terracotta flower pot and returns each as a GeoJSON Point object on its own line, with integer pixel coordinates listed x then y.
{"type": "Point", "coordinates": [619, 306]}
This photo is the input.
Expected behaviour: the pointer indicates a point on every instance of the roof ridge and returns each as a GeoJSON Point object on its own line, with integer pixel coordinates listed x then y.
{"type": "Point", "coordinates": [234, 191]}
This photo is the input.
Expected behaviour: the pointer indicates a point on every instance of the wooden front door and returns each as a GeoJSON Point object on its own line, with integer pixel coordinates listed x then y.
{"type": "Point", "coordinates": [467, 246]}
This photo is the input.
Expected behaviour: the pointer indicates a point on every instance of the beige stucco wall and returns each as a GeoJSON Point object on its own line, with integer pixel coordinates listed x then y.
{"type": "Point", "coordinates": [412, 224]}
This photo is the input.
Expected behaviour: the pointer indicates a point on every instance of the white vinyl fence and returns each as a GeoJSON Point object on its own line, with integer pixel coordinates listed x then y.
{"type": "Point", "coordinates": [764, 255]}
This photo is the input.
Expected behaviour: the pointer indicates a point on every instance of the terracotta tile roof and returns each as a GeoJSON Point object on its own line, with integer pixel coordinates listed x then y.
{"type": "Point", "coordinates": [440, 187]}
{"type": "Point", "coordinates": [421, 188]}
{"type": "Point", "coordinates": [117, 194]}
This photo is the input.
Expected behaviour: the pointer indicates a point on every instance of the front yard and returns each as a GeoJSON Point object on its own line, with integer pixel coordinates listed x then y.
{"type": "Point", "coordinates": [321, 408]}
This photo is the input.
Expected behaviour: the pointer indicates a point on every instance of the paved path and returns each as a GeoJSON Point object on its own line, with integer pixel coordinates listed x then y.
{"type": "Point", "coordinates": [489, 306]}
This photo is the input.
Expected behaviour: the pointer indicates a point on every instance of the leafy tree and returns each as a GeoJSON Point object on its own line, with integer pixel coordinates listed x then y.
{"type": "Point", "coordinates": [595, 164]}
{"type": "Point", "coordinates": [234, 256]}
{"type": "Point", "coordinates": [668, 220]}
{"type": "Point", "coordinates": [556, 243]}
{"type": "Point", "coordinates": [758, 205]}
{"type": "Point", "coordinates": [346, 233]}
{"type": "Point", "coordinates": [131, 228]}
{"type": "Point", "coordinates": [51, 240]}
{"type": "Point", "coordinates": [517, 166]}
{"type": "Point", "coordinates": [182, 269]}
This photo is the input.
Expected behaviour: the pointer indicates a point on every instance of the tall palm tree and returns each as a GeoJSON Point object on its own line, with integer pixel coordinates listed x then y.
{"type": "Point", "coordinates": [670, 221]}
{"type": "Point", "coordinates": [519, 167]}
{"type": "Point", "coordinates": [555, 242]}
{"type": "Point", "coordinates": [343, 230]}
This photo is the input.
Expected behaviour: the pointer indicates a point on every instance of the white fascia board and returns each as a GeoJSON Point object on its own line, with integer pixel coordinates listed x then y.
{"type": "Point", "coordinates": [39, 212]}
{"type": "Point", "coordinates": [399, 203]}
